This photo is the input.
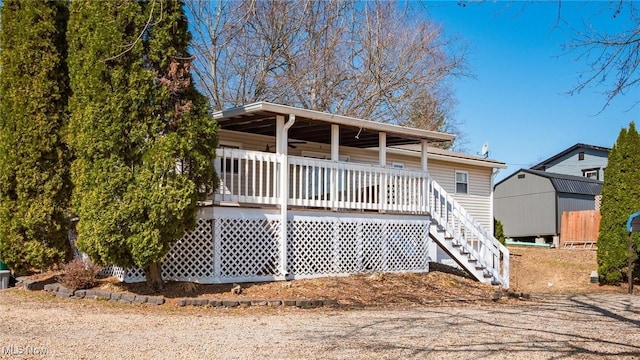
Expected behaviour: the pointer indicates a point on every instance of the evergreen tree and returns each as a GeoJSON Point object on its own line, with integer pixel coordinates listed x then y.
{"type": "Point", "coordinates": [620, 198]}
{"type": "Point", "coordinates": [498, 231]}
{"type": "Point", "coordinates": [34, 170]}
{"type": "Point", "coordinates": [142, 135]}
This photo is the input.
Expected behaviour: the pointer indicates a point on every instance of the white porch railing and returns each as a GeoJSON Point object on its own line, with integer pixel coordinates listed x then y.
{"type": "Point", "coordinates": [252, 177]}
{"type": "Point", "coordinates": [247, 176]}
{"type": "Point", "coordinates": [469, 234]}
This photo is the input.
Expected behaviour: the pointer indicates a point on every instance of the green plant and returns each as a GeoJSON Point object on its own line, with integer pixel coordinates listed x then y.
{"type": "Point", "coordinates": [35, 184]}
{"type": "Point", "coordinates": [498, 231]}
{"type": "Point", "coordinates": [620, 198]}
{"type": "Point", "coordinates": [142, 136]}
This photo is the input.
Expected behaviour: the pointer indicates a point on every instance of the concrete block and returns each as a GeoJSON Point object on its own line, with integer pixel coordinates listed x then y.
{"type": "Point", "coordinates": [229, 303]}
{"type": "Point", "coordinates": [155, 300]}
{"type": "Point", "coordinates": [128, 297]}
{"type": "Point", "coordinates": [330, 302]}
{"type": "Point", "coordinates": [199, 302]}
{"type": "Point", "coordinates": [258, 302]}
{"type": "Point", "coordinates": [51, 287]}
{"type": "Point", "coordinates": [80, 294]}
{"type": "Point", "coordinates": [102, 294]}
{"type": "Point", "coordinates": [215, 303]}
{"type": "Point", "coordinates": [304, 304]}
{"type": "Point", "coordinates": [140, 299]}
{"type": "Point", "coordinates": [289, 302]}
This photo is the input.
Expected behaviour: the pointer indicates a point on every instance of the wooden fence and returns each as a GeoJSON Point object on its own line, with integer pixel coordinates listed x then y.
{"type": "Point", "coordinates": [579, 227]}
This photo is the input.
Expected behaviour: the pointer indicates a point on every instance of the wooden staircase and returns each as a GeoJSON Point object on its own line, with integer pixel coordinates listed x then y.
{"type": "Point", "coordinates": [465, 240]}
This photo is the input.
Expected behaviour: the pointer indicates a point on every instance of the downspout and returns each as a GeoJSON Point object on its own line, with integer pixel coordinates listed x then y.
{"type": "Point", "coordinates": [282, 130]}
{"type": "Point", "coordinates": [491, 221]}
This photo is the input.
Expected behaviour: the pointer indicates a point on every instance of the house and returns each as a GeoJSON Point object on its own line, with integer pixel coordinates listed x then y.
{"type": "Point", "coordinates": [530, 203]}
{"type": "Point", "coordinates": [305, 194]}
{"type": "Point", "coordinates": [579, 160]}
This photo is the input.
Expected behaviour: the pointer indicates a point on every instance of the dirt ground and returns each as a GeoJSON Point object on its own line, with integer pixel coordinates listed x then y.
{"type": "Point", "coordinates": [533, 271]}
{"type": "Point", "coordinates": [555, 271]}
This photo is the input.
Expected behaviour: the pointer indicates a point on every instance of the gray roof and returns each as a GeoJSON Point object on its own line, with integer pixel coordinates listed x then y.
{"type": "Point", "coordinates": [542, 164]}
{"type": "Point", "coordinates": [570, 184]}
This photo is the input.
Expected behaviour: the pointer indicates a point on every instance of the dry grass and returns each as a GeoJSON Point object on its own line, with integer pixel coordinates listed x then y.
{"type": "Point", "coordinates": [533, 270]}
{"type": "Point", "coordinates": [555, 271]}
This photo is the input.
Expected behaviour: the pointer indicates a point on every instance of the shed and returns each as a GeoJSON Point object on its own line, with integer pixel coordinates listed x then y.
{"type": "Point", "coordinates": [530, 203]}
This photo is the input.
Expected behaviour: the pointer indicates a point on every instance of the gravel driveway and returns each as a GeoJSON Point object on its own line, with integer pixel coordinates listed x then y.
{"type": "Point", "coordinates": [581, 326]}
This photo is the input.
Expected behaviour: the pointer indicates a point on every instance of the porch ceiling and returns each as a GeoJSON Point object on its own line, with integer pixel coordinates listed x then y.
{"type": "Point", "coordinates": [357, 133]}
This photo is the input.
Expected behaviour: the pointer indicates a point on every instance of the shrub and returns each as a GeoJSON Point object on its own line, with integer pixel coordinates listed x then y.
{"type": "Point", "coordinates": [78, 275]}
{"type": "Point", "coordinates": [498, 231]}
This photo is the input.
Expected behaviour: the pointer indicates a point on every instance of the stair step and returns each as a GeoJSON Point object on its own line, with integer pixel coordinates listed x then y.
{"type": "Point", "coordinates": [441, 229]}
{"type": "Point", "coordinates": [480, 267]}
{"type": "Point", "coordinates": [456, 245]}
{"type": "Point", "coordinates": [487, 275]}
{"type": "Point", "coordinates": [464, 251]}
{"type": "Point", "coordinates": [434, 222]}
{"type": "Point", "coordinates": [496, 282]}
{"type": "Point", "coordinates": [472, 260]}
{"type": "Point", "coordinates": [448, 237]}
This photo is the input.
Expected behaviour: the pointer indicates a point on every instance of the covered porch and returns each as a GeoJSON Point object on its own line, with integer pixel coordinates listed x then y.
{"type": "Point", "coordinates": [274, 177]}
{"type": "Point", "coordinates": [279, 215]}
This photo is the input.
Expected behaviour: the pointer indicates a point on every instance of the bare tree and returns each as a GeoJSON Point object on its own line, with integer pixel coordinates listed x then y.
{"type": "Point", "coordinates": [612, 58]}
{"type": "Point", "coordinates": [376, 60]}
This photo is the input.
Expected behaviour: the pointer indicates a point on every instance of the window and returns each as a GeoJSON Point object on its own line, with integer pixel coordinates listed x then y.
{"type": "Point", "coordinates": [462, 182]}
{"type": "Point", "coordinates": [581, 155]}
{"type": "Point", "coordinates": [591, 173]}
{"type": "Point", "coordinates": [520, 176]}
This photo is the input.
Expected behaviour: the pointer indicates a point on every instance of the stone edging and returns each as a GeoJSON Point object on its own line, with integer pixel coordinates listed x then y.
{"type": "Point", "coordinates": [303, 304]}
{"type": "Point", "coordinates": [63, 292]}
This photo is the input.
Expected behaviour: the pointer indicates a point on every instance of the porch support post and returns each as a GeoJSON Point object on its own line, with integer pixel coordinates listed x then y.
{"type": "Point", "coordinates": [335, 157]}
{"type": "Point", "coordinates": [382, 157]}
{"type": "Point", "coordinates": [423, 152]}
{"type": "Point", "coordinates": [425, 170]}
{"type": "Point", "coordinates": [282, 129]}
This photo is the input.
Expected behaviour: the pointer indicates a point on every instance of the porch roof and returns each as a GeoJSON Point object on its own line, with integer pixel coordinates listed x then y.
{"type": "Point", "coordinates": [315, 126]}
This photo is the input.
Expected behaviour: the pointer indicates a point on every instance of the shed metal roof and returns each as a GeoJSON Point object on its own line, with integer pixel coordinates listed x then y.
{"type": "Point", "coordinates": [562, 183]}
{"type": "Point", "coordinates": [570, 184]}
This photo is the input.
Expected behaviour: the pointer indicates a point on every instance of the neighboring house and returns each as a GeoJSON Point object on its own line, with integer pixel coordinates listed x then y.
{"type": "Point", "coordinates": [305, 194]}
{"type": "Point", "coordinates": [579, 160]}
{"type": "Point", "coordinates": [530, 203]}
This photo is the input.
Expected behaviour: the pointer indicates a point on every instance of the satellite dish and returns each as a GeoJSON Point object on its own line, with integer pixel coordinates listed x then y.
{"type": "Point", "coordinates": [484, 152]}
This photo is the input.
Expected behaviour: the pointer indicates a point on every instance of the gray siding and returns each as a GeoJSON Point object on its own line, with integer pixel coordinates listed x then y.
{"type": "Point", "coordinates": [571, 165]}
{"type": "Point", "coordinates": [526, 206]}
{"type": "Point", "coordinates": [573, 202]}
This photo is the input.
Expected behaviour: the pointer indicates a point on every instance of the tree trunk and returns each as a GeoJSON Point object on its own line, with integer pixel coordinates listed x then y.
{"type": "Point", "coordinates": [153, 273]}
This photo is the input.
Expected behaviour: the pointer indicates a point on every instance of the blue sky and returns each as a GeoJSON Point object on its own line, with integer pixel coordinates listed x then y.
{"type": "Point", "coordinates": [517, 101]}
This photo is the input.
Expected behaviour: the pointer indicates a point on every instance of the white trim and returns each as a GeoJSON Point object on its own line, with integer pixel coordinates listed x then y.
{"type": "Point", "coordinates": [230, 144]}
{"type": "Point", "coordinates": [322, 155]}
{"type": "Point", "coordinates": [335, 119]}
{"type": "Point", "coordinates": [455, 182]}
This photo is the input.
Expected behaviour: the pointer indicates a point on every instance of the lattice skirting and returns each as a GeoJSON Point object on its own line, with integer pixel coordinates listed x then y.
{"type": "Point", "coordinates": [244, 245]}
